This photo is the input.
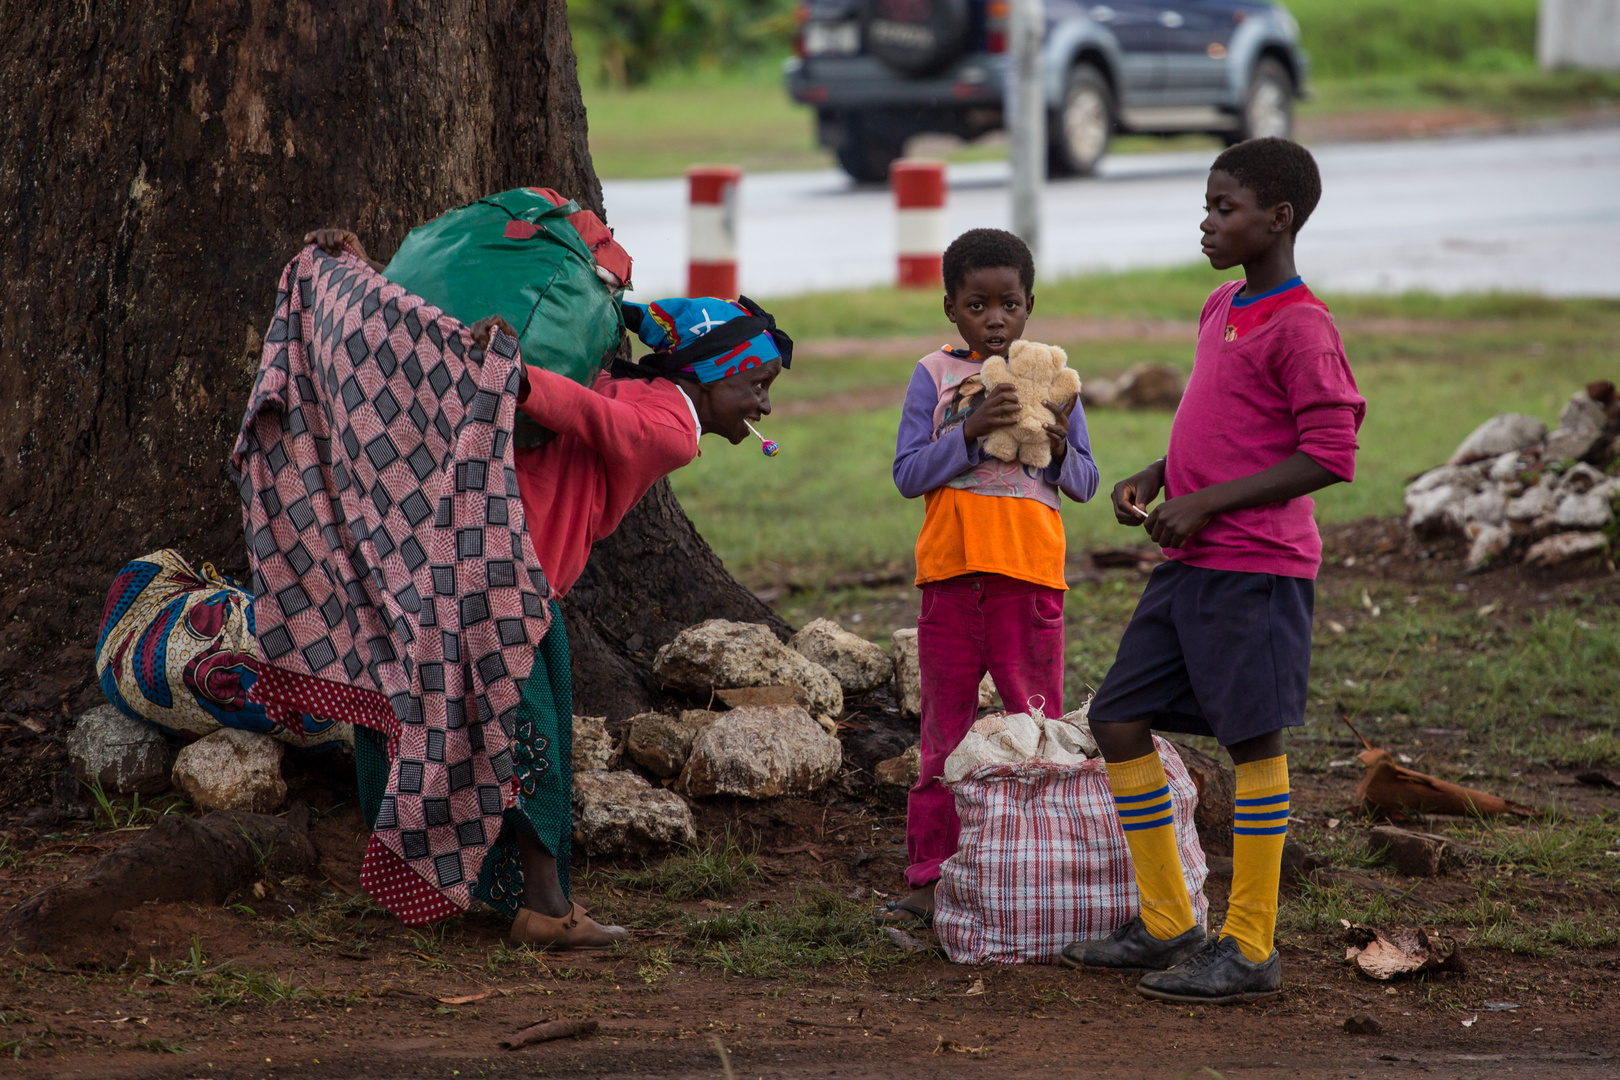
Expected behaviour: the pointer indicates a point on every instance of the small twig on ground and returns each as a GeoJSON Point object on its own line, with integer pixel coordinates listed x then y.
{"type": "Point", "coordinates": [817, 1023]}
{"type": "Point", "coordinates": [547, 1030]}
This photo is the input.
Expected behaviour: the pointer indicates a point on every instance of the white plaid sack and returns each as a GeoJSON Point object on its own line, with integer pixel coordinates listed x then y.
{"type": "Point", "coordinates": [1043, 862]}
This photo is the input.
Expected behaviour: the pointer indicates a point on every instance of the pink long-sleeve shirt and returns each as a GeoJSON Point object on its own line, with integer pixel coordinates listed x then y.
{"type": "Point", "coordinates": [1251, 403]}
{"type": "Point", "coordinates": [615, 439]}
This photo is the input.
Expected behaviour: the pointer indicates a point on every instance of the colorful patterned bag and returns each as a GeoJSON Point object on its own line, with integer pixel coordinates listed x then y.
{"type": "Point", "coordinates": [1042, 860]}
{"type": "Point", "coordinates": [177, 650]}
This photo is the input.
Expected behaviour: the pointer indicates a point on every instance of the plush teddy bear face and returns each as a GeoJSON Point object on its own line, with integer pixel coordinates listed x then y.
{"type": "Point", "coordinates": [1035, 361]}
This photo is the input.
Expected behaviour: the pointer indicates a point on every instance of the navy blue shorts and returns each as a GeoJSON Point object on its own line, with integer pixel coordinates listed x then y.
{"type": "Point", "coordinates": [1213, 652]}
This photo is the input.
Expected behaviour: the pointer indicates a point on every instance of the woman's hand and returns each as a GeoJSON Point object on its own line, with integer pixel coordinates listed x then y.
{"type": "Point", "coordinates": [332, 241]}
{"type": "Point", "coordinates": [999, 409]}
{"type": "Point", "coordinates": [1132, 494]}
{"type": "Point", "coordinates": [1058, 434]}
{"type": "Point", "coordinates": [1176, 520]}
{"type": "Point", "coordinates": [480, 330]}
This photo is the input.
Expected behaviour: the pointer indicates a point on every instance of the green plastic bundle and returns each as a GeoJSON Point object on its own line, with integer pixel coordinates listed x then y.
{"type": "Point", "coordinates": [516, 255]}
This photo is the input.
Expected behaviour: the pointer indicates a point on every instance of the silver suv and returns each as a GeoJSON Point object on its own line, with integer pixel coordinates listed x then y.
{"type": "Point", "coordinates": [879, 71]}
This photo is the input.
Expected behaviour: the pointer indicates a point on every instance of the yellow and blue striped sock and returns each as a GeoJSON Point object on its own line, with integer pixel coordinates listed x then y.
{"type": "Point", "coordinates": [1259, 827]}
{"type": "Point", "coordinates": [1142, 800]}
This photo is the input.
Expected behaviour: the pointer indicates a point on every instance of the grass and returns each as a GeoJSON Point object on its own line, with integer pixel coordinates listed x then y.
{"type": "Point", "coordinates": [1427, 385]}
{"type": "Point", "coordinates": [113, 812]}
{"type": "Point", "coordinates": [719, 869]}
{"type": "Point", "coordinates": [779, 940]}
{"type": "Point", "coordinates": [1366, 55]}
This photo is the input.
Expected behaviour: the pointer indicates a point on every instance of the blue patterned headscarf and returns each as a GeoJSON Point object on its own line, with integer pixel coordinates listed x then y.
{"type": "Point", "coordinates": [705, 337]}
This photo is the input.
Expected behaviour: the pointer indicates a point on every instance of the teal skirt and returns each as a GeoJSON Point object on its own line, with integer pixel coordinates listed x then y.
{"type": "Point", "coordinates": [542, 753]}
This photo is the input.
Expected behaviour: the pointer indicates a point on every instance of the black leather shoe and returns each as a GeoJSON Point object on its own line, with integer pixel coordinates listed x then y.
{"type": "Point", "coordinates": [1131, 946]}
{"type": "Point", "coordinates": [1219, 974]}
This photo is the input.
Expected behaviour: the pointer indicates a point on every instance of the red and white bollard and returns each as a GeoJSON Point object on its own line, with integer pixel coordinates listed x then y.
{"type": "Point", "coordinates": [711, 231]}
{"type": "Point", "coordinates": [919, 202]}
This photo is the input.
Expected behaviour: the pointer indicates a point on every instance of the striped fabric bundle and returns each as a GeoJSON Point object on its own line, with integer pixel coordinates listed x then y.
{"type": "Point", "coordinates": [1042, 860]}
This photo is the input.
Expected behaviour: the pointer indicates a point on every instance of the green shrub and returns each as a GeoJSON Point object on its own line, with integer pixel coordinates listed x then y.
{"type": "Point", "coordinates": [1361, 37]}
{"type": "Point", "coordinates": [629, 41]}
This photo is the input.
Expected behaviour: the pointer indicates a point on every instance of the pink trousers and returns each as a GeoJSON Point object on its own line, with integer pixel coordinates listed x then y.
{"type": "Point", "coordinates": [969, 625]}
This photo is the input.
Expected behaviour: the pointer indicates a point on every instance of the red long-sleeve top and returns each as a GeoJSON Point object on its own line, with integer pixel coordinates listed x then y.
{"type": "Point", "coordinates": [1265, 385]}
{"type": "Point", "coordinates": [615, 439]}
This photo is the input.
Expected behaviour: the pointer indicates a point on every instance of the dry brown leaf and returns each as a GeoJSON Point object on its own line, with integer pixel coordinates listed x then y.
{"type": "Point", "coordinates": [466, 999]}
{"type": "Point", "coordinates": [1386, 955]}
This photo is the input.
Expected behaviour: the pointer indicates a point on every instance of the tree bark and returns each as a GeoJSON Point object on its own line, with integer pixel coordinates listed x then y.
{"type": "Point", "coordinates": [163, 159]}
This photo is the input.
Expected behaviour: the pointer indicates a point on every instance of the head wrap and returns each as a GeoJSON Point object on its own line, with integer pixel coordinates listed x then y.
{"type": "Point", "coordinates": [704, 337]}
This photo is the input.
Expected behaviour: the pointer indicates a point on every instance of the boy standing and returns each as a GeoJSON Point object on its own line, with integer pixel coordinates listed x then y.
{"type": "Point", "coordinates": [991, 552]}
{"type": "Point", "coordinates": [1220, 643]}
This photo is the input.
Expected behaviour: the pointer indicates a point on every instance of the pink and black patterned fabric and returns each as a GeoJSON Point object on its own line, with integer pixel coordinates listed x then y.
{"type": "Point", "coordinates": [1043, 860]}
{"type": "Point", "coordinates": [395, 585]}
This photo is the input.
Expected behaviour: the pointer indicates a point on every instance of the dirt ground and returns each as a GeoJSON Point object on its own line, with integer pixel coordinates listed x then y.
{"type": "Point", "coordinates": [298, 979]}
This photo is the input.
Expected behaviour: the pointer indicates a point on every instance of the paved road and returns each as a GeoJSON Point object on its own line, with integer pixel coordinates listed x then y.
{"type": "Point", "coordinates": [1536, 212]}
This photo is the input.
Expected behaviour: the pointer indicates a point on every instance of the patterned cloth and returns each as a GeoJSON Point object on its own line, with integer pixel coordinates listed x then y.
{"type": "Point", "coordinates": [177, 650]}
{"type": "Point", "coordinates": [1043, 861]}
{"type": "Point", "coordinates": [395, 585]}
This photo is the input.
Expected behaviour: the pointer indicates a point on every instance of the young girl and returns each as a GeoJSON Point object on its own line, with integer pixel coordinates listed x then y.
{"type": "Point", "coordinates": [991, 552]}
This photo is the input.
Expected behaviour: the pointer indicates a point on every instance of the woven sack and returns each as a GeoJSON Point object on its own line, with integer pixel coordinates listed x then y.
{"type": "Point", "coordinates": [1042, 860]}
{"type": "Point", "coordinates": [521, 255]}
{"type": "Point", "coordinates": [177, 650]}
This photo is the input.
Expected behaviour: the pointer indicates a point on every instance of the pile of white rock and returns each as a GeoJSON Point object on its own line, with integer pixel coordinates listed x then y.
{"type": "Point", "coordinates": [1515, 491]}
{"type": "Point", "coordinates": [769, 728]}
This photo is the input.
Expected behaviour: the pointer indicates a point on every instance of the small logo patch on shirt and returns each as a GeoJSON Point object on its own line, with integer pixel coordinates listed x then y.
{"type": "Point", "coordinates": [1231, 333]}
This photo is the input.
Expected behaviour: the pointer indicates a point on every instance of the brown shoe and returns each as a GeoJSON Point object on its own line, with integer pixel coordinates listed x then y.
{"type": "Point", "coordinates": [576, 930]}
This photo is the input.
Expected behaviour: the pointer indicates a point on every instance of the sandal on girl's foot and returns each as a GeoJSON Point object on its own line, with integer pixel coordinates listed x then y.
{"type": "Point", "coordinates": [921, 918]}
{"type": "Point", "coordinates": [576, 930]}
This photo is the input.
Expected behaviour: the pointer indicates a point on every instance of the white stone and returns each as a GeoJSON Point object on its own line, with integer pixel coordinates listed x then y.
{"type": "Point", "coordinates": [619, 813]}
{"type": "Point", "coordinates": [721, 655]}
{"type": "Point", "coordinates": [1509, 432]}
{"type": "Point", "coordinates": [907, 672]}
{"type": "Point", "coordinates": [593, 746]}
{"type": "Point", "coordinates": [122, 755]}
{"type": "Point", "coordinates": [1504, 469]}
{"type": "Point", "coordinates": [1581, 478]}
{"type": "Point", "coordinates": [661, 743]}
{"type": "Point", "coordinates": [760, 752]}
{"type": "Point", "coordinates": [1466, 478]}
{"type": "Point", "coordinates": [1580, 425]}
{"type": "Point", "coordinates": [1565, 547]}
{"type": "Point", "coordinates": [1534, 503]}
{"type": "Point", "coordinates": [232, 770]}
{"type": "Point", "coordinates": [1590, 511]}
{"type": "Point", "coordinates": [1488, 541]}
{"type": "Point", "coordinates": [858, 665]}
{"type": "Point", "coordinates": [1438, 510]}
{"type": "Point", "coordinates": [1486, 506]}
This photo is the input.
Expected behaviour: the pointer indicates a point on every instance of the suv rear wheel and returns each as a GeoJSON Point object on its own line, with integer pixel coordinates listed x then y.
{"type": "Point", "coordinates": [865, 150]}
{"type": "Point", "coordinates": [1268, 108]}
{"type": "Point", "coordinates": [1082, 127]}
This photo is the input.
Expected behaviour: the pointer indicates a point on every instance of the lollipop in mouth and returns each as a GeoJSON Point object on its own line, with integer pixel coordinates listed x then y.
{"type": "Point", "coordinates": [769, 448]}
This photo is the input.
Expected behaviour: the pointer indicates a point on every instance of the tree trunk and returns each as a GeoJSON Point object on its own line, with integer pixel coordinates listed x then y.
{"type": "Point", "coordinates": [164, 159]}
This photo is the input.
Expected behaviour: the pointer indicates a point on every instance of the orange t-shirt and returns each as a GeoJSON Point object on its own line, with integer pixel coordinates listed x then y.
{"type": "Point", "coordinates": [964, 533]}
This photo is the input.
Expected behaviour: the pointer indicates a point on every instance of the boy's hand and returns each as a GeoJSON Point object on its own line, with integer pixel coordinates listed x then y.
{"type": "Point", "coordinates": [1176, 520]}
{"type": "Point", "coordinates": [1058, 434]}
{"type": "Point", "coordinates": [332, 241]}
{"type": "Point", "coordinates": [1132, 494]}
{"type": "Point", "coordinates": [999, 409]}
{"type": "Point", "coordinates": [480, 330]}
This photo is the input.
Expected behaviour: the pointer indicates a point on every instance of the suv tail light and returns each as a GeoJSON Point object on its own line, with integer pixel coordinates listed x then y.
{"type": "Point", "coordinates": [995, 25]}
{"type": "Point", "coordinates": [801, 15]}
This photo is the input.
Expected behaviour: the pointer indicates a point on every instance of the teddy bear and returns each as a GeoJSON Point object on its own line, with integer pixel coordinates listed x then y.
{"type": "Point", "coordinates": [1038, 373]}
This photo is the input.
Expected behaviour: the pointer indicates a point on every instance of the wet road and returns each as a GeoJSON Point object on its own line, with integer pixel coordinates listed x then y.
{"type": "Point", "coordinates": [1535, 212]}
